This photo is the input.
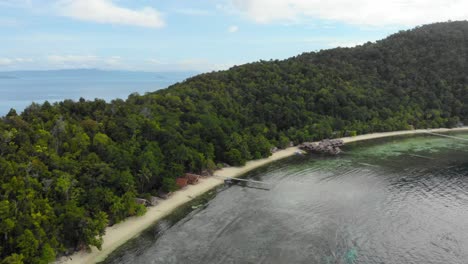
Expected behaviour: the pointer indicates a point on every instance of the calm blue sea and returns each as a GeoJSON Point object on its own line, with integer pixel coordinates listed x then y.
{"type": "Point", "coordinates": [19, 89]}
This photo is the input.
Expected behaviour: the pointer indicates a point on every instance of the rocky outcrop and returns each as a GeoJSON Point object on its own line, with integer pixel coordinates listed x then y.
{"type": "Point", "coordinates": [326, 146]}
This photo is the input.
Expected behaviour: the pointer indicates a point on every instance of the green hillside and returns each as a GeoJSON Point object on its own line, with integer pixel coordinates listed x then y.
{"type": "Point", "coordinates": [67, 170]}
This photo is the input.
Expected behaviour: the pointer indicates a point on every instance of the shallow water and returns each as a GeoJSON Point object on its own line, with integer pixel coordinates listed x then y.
{"type": "Point", "coordinates": [396, 201]}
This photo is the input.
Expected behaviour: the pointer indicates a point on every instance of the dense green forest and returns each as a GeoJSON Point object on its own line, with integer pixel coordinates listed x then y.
{"type": "Point", "coordinates": [69, 169]}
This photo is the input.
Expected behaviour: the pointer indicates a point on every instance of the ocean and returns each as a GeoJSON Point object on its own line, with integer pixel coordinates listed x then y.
{"type": "Point", "coordinates": [18, 89]}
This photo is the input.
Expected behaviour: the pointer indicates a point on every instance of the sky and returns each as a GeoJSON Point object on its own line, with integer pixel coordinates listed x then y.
{"type": "Point", "coordinates": [196, 35]}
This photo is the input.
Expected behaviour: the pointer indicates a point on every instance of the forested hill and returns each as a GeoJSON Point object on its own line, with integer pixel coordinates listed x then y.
{"type": "Point", "coordinates": [70, 169]}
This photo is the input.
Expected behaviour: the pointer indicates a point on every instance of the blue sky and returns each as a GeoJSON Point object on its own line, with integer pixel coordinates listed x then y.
{"type": "Point", "coordinates": [201, 35]}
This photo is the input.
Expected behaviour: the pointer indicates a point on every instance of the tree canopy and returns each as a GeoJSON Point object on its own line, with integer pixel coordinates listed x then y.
{"type": "Point", "coordinates": [69, 169]}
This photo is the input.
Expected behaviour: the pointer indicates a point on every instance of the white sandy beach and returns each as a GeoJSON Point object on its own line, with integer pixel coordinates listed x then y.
{"type": "Point", "coordinates": [120, 233]}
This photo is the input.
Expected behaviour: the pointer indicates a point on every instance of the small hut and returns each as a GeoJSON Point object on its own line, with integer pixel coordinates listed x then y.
{"type": "Point", "coordinates": [192, 178]}
{"type": "Point", "coordinates": [181, 182]}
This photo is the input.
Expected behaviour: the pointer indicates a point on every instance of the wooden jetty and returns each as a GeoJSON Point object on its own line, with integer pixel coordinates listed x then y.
{"type": "Point", "coordinates": [447, 136]}
{"type": "Point", "coordinates": [230, 181]}
{"type": "Point", "coordinates": [367, 164]}
{"type": "Point", "coordinates": [420, 156]}
{"type": "Point", "coordinates": [245, 180]}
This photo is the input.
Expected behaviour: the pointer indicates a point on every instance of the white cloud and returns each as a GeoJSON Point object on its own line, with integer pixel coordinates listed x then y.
{"type": "Point", "coordinates": [9, 22]}
{"type": "Point", "coordinates": [13, 61]}
{"type": "Point", "coordinates": [83, 61]}
{"type": "Point", "coordinates": [358, 12]}
{"type": "Point", "coordinates": [233, 29]}
{"type": "Point", "coordinates": [345, 44]}
{"type": "Point", "coordinates": [72, 58]}
{"type": "Point", "coordinates": [80, 61]}
{"type": "Point", "coordinates": [114, 61]}
{"type": "Point", "coordinates": [154, 61]}
{"type": "Point", "coordinates": [23, 60]}
{"type": "Point", "coordinates": [105, 11]}
{"type": "Point", "coordinates": [5, 61]}
{"type": "Point", "coordinates": [193, 12]}
{"type": "Point", "coordinates": [204, 65]}
{"type": "Point", "coordinates": [190, 64]}
{"type": "Point", "coordinates": [16, 3]}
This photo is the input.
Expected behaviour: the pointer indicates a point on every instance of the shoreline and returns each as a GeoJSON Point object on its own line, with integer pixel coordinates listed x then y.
{"type": "Point", "coordinates": [118, 234]}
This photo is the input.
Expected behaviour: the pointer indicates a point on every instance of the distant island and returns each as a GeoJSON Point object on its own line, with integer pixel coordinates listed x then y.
{"type": "Point", "coordinates": [58, 85]}
{"type": "Point", "coordinates": [72, 168]}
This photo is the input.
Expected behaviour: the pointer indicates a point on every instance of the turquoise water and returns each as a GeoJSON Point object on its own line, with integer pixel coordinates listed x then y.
{"type": "Point", "coordinates": [20, 89]}
{"type": "Point", "coordinates": [397, 200]}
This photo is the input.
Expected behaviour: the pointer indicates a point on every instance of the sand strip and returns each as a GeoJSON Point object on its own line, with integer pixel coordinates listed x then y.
{"type": "Point", "coordinates": [118, 234]}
